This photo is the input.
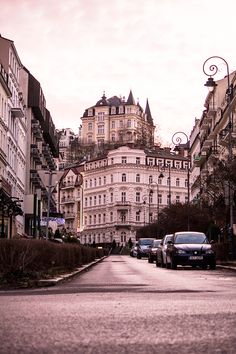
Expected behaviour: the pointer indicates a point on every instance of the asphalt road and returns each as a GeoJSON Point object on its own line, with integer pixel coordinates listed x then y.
{"type": "Point", "coordinates": [124, 305]}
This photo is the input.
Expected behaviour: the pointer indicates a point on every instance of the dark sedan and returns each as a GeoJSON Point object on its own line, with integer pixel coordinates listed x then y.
{"type": "Point", "coordinates": [190, 248]}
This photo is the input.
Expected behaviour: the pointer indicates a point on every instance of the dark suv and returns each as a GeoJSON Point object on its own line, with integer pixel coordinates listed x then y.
{"type": "Point", "coordinates": [143, 247]}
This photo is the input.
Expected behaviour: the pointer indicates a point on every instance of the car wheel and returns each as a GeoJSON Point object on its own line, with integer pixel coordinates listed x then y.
{"type": "Point", "coordinates": [138, 256]}
{"type": "Point", "coordinates": [173, 264]}
{"type": "Point", "coordinates": [150, 260]}
{"type": "Point", "coordinates": [204, 266]}
{"type": "Point", "coordinates": [157, 263]}
{"type": "Point", "coordinates": [212, 265]}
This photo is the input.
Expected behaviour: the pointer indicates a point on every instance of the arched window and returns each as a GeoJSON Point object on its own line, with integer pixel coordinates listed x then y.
{"type": "Point", "coordinates": [123, 177]}
{"type": "Point", "coordinates": [177, 182]}
{"type": "Point", "coordinates": [138, 178]}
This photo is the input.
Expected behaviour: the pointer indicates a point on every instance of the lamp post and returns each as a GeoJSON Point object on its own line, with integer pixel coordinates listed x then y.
{"type": "Point", "coordinates": [177, 139]}
{"type": "Point", "coordinates": [210, 70]}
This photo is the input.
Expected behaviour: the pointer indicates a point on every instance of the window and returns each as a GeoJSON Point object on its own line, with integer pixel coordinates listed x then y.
{"type": "Point", "coordinates": [123, 178]}
{"type": "Point", "coordinates": [113, 110]}
{"type": "Point", "coordinates": [101, 116]}
{"type": "Point", "coordinates": [123, 159]}
{"type": "Point", "coordinates": [150, 162]}
{"type": "Point", "coordinates": [100, 129]}
{"type": "Point", "coordinates": [121, 110]}
{"type": "Point", "coordinates": [138, 178]}
{"type": "Point", "coordinates": [95, 182]}
{"type": "Point", "coordinates": [159, 199]}
{"type": "Point", "coordinates": [111, 197]}
{"type": "Point", "coordinates": [160, 180]}
{"type": "Point", "coordinates": [99, 181]}
{"type": "Point", "coordinates": [90, 219]}
{"type": "Point", "coordinates": [90, 183]}
{"type": "Point", "coordinates": [113, 124]}
{"type": "Point", "coordinates": [111, 178]}
{"type": "Point", "coordinates": [150, 179]}
{"type": "Point", "coordinates": [128, 110]}
{"type": "Point", "coordinates": [99, 199]}
{"type": "Point", "coordinates": [137, 215]}
{"type": "Point", "coordinates": [137, 197]}
{"type": "Point", "coordinates": [123, 196]}
{"type": "Point", "coordinates": [123, 217]}
{"type": "Point", "coordinates": [86, 202]}
{"type": "Point", "coordinates": [86, 183]}
{"type": "Point", "coordinates": [104, 198]}
{"type": "Point", "coordinates": [177, 182]}
{"type": "Point", "coordinates": [112, 161]}
{"type": "Point", "coordinates": [123, 237]}
{"type": "Point", "coordinates": [95, 200]}
{"type": "Point", "coordinates": [95, 219]}
{"type": "Point", "coordinates": [129, 123]}
{"type": "Point", "coordinates": [104, 180]}
{"type": "Point", "coordinates": [90, 139]}
{"type": "Point", "coordinates": [168, 181]}
{"type": "Point", "coordinates": [177, 199]}
{"type": "Point", "coordinates": [104, 218]}
{"type": "Point", "coordinates": [99, 218]}
{"type": "Point", "coordinates": [186, 183]}
{"type": "Point", "coordinates": [121, 124]}
{"type": "Point", "coordinates": [90, 126]}
{"type": "Point", "coordinates": [90, 201]}
{"type": "Point", "coordinates": [150, 198]}
{"type": "Point", "coordinates": [113, 137]}
{"type": "Point", "coordinates": [177, 164]}
{"type": "Point", "coordinates": [137, 160]}
{"type": "Point", "coordinates": [111, 216]}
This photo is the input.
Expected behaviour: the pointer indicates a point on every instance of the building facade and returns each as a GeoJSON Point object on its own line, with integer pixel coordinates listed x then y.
{"type": "Point", "coordinates": [126, 189]}
{"type": "Point", "coordinates": [116, 120]}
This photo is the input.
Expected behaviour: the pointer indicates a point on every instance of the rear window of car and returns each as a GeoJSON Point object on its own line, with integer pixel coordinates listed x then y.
{"type": "Point", "coordinates": [145, 242]}
{"type": "Point", "coordinates": [191, 238]}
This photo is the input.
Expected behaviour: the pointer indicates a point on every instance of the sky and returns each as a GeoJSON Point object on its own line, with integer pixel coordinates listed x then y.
{"type": "Point", "coordinates": [77, 49]}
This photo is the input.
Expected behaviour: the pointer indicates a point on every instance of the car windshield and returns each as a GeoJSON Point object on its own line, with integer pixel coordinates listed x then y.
{"type": "Point", "coordinates": [156, 243]}
{"type": "Point", "coordinates": [145, 242]}
{"type": "Point", "coordinates": [191, 238]}
{"type": "Point", "coordinates": [168, 238]}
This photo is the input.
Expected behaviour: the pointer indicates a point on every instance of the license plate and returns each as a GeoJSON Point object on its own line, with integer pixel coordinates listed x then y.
{"type": "Point", "coordinates": [195, 258]}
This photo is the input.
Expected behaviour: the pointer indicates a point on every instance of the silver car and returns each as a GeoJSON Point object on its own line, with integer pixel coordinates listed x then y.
{"type": "Point", "coordinates": [161, 251]}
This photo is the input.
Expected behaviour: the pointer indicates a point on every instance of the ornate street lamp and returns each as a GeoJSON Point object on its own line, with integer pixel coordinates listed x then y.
{"type": "Point", "coordinates": [210, 70]}
{"type": "Point", "coordinates": [177, 140]}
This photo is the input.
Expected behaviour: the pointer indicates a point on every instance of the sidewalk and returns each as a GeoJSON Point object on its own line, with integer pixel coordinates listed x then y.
{"type": "Point", "coordinates": [227, 265]}
{"type": "Point", "coordinates": [55, 281]}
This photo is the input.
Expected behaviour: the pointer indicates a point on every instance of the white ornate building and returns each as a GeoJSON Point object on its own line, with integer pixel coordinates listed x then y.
{"type": "Point", "coordinates": [125, 190]}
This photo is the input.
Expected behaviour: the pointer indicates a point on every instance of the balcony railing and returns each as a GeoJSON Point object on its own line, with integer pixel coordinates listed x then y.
{"type": "Point", "coordinates": [67, 199]}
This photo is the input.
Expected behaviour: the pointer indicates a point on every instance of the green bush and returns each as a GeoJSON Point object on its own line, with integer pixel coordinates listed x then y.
{"type": "Point", "coordinates": [22, 256]}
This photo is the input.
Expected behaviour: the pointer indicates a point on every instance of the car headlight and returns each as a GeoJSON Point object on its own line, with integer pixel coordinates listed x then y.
{"type": "Point", "coordinates": [210, 252]}
{"type": "Point", "coordinates": [180, 252]}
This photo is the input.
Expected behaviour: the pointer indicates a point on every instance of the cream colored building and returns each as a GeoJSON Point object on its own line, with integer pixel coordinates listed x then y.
{"type": "Point", "coordinates": [123, 191]}
{"type": "Point", "coordinates": [115, 120]}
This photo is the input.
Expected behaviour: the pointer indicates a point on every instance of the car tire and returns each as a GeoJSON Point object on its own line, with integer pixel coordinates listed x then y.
{"type": "Point", "coordinates": [212, 265]}
{"type": "Point", "coordinates": [150, 260]}
{"type": "Point", "coordinates": [157, 263]}
{"type": "Point", "coordinates": [138, 256]}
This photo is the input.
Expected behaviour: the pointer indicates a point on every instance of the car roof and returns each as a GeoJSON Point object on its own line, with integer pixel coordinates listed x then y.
{"type": "Point", "coordinates": [189, 233]}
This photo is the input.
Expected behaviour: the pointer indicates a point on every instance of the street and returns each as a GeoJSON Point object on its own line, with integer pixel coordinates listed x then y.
{"type": "Point", "coordinates": [124, 305]}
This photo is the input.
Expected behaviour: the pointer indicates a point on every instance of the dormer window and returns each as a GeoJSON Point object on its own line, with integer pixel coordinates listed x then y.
{"type": "Point", "coordinates": [90, 112]}
{"type": "Point", "coordinates": [113, 110]}
{"type": "Point", "coordinates": [121, 110]}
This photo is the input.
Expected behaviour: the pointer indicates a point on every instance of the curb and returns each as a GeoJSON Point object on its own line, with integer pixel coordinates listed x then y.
{"type": "Point", "coordinates": [55, 281]}
{"type": "Point", "coordinates": [225, 267]}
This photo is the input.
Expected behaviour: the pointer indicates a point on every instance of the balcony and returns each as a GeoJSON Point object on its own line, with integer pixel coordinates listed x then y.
{"type": "Point", "coordinates": [69, 215]}
{"type": "Point", "coordinates": [123, 225]}
{"type": "Point", "coordinates": [35, 179]}
{"type": "Point", "coordinates": [17, 112]}
{"type": "Point", "coordinates": [122, 205]}
{"type": "Point", "coordinates": [67, 200]}
{"type": "Point", "coordinates": [36, 129]}
{"type": "Point", "coordinates": [67, 185]}
{"type": "Point", "coordinates": [200, 159]}
{"type": "Point", "coordinates": [35, 153]}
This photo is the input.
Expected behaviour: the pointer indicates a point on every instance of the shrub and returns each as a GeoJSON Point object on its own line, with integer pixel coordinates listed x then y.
{"type": "Point", "coordinates": [21, 256]}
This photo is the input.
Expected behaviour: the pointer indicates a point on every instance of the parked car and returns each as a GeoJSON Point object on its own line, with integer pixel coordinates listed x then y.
{"type": "Point", "coordinates": [190, 248]}
{"type": "Point", "coordinates": [143, 247]}
{"type": "Point", "coordinates": [152, 255]}
{"type": "Point", "coordinates": [161, 251]}
{"type": "Point", "coordinates": [133, 251]}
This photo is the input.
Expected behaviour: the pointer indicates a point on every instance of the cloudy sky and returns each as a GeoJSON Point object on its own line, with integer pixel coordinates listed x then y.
{"type": "Point", "coordinates": [79, 48]}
